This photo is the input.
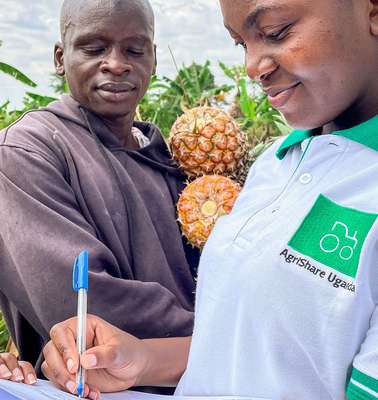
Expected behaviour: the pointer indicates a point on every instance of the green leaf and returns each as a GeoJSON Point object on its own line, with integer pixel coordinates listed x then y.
{"type": "Point", "coordinates": [247, 105]}
{"type": "Point", "coordinates": [40, 98]}
{"type": "Point", "coordinates": [12, 71]}
{"type": "Point", "coordinates": [4, 106]}
{"type": "Point", "coordinates": [4, 335]}
{"type": "Point", "coordinates": [283, 127]}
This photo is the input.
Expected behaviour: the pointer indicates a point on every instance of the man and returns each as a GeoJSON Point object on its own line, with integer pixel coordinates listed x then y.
{"type": "Point", "coordinates": [287, 293]}
{"type": "Point", "coordinates": [81, 174]}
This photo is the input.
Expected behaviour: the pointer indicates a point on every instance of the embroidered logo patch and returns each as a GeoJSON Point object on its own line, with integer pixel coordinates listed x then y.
{"type": "Point", "coordinates": [333, 235]}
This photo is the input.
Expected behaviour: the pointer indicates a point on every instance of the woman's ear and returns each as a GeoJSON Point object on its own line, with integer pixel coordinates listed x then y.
{"type": "Point", "coordinates": [58, 59]}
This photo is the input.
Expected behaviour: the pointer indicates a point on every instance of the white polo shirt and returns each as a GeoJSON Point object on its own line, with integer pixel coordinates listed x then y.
{"type": "Point", "coordinates": [288, 282]}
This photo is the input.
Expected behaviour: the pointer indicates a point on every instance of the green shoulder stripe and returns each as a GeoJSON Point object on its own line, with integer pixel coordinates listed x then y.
{"type": "Point", "coordinates": [365, 380]}
{"type": "Point", "coordinates": [356, 393]}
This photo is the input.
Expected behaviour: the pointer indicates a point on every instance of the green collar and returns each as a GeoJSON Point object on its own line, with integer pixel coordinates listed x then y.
{"type": "Point", "coordinates": [365, 133]}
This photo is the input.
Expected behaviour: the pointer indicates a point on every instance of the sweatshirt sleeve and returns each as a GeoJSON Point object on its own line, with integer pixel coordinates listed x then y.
{"type": "Point", "coordinates": [42, 230]}
{"type": "Point", "coordinates": [363, 383]}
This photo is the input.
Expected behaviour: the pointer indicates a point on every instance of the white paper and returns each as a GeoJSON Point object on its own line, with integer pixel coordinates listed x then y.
{"type": "Point", "coordinates": [44, 390]}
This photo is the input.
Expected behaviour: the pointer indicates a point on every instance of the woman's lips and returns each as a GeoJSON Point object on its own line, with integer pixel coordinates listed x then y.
{"type": "Point", "coordinates": [278, 98]}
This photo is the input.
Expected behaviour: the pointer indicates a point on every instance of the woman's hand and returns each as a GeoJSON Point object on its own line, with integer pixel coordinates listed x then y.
{"type": "Point", "coordinates": [15, 370]}
{"type": "Point", "coordinates": [114, 360]}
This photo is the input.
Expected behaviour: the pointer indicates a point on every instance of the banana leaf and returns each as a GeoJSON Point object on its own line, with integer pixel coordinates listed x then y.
{"type": "Point", "coordinates": [12, 71]}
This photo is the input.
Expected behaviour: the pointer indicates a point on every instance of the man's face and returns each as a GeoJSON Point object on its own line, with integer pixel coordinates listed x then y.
{"type": "Point", "coordinates": [315, 59]}
{"type": "Point", "coordinates": [108, 58]}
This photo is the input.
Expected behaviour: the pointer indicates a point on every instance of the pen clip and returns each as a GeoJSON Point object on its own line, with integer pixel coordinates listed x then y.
{"type": "Point", "coordinates": [80, 272]}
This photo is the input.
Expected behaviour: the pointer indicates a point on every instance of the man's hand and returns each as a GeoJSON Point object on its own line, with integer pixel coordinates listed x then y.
{"type": "Point", "coordinates": [114, 360]}
{"type": "Point", "coordinates": [15, 370]}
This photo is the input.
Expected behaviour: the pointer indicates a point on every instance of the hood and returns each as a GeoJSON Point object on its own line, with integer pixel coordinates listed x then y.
{"type": "Point", "coordinates": [155, 154]}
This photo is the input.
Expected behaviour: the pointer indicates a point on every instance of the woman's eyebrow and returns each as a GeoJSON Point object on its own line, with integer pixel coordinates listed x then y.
{"type": "Point", "coordinates": [253, 17]}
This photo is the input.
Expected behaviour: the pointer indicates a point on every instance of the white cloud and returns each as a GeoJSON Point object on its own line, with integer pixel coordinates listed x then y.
{"type": "Point", "coordinates": [193, 30]}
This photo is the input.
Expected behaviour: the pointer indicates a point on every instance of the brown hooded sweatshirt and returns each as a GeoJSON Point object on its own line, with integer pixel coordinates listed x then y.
{"type": "Point", "coordinates": [67, 184]}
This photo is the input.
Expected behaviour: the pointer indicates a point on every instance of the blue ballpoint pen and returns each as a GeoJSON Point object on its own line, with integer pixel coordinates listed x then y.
{"type": "Point", "coordinates": [80, 285]}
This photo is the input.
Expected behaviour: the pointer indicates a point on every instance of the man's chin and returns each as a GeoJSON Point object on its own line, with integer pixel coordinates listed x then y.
{"type": "Point", "coordinates": [114, 112]}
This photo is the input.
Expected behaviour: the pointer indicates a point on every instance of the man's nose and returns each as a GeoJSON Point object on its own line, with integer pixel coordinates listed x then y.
{"type": "Point", "coordinates": [116, 63]}
{"type": "Point", "coordinates": [259, 67]}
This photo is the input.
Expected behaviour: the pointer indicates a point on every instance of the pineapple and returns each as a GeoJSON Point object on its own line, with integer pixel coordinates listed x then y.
{"type": "Point", "coordinates": [202, 202]}
{"type": "Point", "coordinates": [206, 140]}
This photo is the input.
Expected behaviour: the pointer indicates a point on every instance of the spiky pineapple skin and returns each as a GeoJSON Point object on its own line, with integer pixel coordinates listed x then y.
{"type": "Point", "coordinates": [205, 190]}
{"type": "Point", "coordinates": [206, 140]}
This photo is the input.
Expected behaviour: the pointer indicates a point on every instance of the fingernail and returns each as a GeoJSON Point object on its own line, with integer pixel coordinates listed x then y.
{"type": "Point", "coordinates": [90, 360]}
{"type": "Point", "coordinates": [70, 365]}
{"type": "Point", "coordinates": [4, 372]}
{"type": "Point", "coordinates": [93, 395]}
{"type": "Point", "coordinates": [71, 386]}
{"type": "Point", "coordinates": [18, 376]}
{"type": "Point", "coordinates": [31, 379]}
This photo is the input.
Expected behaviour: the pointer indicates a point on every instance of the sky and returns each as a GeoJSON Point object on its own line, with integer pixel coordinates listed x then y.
{"type": "Point", "coordinates": [193, 29]}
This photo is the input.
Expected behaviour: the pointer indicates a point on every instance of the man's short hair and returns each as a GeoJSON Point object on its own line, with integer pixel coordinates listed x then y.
{"type": "Point", "coordinates": [70, 8]}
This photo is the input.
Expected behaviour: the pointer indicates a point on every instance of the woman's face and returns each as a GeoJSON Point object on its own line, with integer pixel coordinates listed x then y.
{"type": "Point", "coordinates": [314, 59]}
